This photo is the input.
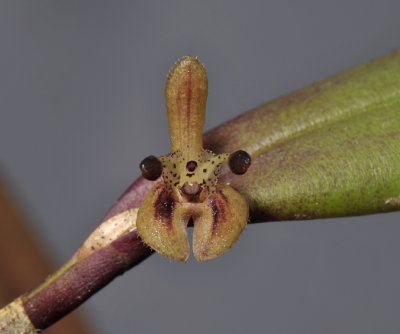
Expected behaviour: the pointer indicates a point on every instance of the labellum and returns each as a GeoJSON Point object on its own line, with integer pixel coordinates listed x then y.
{"type": "Point", "coordinates": [190, 189]}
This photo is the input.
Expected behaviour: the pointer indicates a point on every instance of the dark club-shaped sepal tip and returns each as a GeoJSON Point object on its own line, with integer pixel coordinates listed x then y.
{"type": "Point", "coordinates": [151, 168]}
{"type": "Point", "coordinates": [239, 162]}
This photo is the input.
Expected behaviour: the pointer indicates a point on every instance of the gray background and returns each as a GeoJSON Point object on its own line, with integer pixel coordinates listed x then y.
{"type": "Point", "coordinates": [81, 102]}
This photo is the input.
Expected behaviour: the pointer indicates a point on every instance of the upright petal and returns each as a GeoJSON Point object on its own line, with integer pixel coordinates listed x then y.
{"type": "Point", "coordinates": [186, 92]}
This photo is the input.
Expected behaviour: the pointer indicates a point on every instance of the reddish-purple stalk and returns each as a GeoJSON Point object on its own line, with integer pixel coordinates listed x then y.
{"type": "Point", "coordinates": [84, 279]}
{"type": "Point", "coordinates": [88, 276]}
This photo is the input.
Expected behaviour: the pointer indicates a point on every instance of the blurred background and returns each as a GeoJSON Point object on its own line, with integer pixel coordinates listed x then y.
{"type": "Point", "coordinates": [81, 103]}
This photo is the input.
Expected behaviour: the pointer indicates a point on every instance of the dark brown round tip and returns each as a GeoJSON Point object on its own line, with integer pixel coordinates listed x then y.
{"type": "Point", "coordinates": [191, 166]}
{"type": "Point", "coordinates": [151, 168]}
{"type": "Point", "coordinates": [239, 162]}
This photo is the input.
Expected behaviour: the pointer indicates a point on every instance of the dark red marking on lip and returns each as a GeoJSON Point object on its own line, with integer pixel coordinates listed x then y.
{"type": "Point", "coordinates": [215, 213]}
{"type": "Point", "coordinates": [164, 206]}
{"type": "Point", "coordinates": [218, 203]}
{"type": "Point", "coordinates": [223, 196]}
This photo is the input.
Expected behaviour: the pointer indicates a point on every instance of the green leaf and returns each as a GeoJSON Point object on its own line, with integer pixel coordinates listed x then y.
{"type": "Point", "coordinates": [330, 149]}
